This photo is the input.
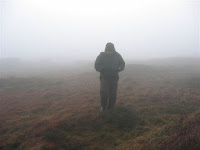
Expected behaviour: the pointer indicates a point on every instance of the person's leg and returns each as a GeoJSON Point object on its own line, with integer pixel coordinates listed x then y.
{"type": "Point", "coordinates": [113, 93]}
{"type": "Point", "coordinates": [104, 92]}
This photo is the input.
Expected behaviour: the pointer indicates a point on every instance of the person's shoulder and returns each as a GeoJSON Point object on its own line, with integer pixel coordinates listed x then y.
{"type": "Point", "coordinates": [118, 54]}
{"type": "Point", "coordinates": [102, 54]}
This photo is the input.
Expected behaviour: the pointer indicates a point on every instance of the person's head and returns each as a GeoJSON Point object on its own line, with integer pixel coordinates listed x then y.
{"type": "Point", "coordinates": [110, 48]}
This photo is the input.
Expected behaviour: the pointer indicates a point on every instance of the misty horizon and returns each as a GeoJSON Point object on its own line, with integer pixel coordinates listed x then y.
{"type": "Point", "coordinates": [73, 31]}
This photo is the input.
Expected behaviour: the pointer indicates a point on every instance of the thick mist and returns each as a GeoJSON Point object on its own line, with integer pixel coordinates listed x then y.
{"type": "Point", "coordinates": [70, 31]}
{"type": "Point", "coordinates": [56, 94]}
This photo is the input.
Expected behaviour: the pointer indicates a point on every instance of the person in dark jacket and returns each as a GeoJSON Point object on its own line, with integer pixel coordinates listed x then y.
{"type": "Point", "coordinates": [109, 64]}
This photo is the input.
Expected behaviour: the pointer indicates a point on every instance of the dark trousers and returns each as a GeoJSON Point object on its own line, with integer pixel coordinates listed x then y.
{"type": "Point", "coordinates": [108, 92]}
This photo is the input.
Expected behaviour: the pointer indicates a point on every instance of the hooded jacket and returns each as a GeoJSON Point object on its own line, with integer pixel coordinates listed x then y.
{"type": "Point", "coordinates": [109, 64]}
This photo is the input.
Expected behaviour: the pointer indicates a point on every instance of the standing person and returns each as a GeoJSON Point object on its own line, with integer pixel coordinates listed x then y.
{"type": "Point", "coordinates": [109, 64]}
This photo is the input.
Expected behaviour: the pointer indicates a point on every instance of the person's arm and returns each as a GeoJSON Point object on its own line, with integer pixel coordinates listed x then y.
{"type": "Point", "coordinates": [98, 63]}
{"type": "Point", "coordinates": [121, 63]}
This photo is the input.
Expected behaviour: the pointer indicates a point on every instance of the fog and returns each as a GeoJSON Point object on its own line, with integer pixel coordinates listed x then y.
{"type": "Point", "coordinates": [58, 30]}
{"type": "Point", "coordinates": [54, 95]}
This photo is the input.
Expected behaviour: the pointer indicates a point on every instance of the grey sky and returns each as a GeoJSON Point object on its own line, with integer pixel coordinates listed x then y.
{"type": "Point", "coordinates": [72, 30]}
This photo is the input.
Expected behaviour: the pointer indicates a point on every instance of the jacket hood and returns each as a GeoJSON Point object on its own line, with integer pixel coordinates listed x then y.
{"type": "Point", "coordinates": [110, 47]}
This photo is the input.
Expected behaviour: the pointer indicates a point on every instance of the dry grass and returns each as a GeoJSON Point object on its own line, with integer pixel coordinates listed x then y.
{"type": "Point", "coordinates": [153, 111]}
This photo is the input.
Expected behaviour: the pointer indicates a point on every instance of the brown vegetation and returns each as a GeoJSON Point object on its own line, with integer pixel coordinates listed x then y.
{"type": "Point", "coordinates": [154, 110]}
